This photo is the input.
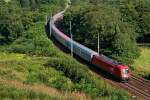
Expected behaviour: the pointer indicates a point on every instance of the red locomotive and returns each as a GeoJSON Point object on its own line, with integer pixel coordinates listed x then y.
{"type": "Point", "coordinates": [113, 67]}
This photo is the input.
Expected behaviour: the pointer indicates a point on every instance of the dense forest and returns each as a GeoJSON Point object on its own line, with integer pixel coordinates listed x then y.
{"type": "Point", "coordinates": [121, 24]}
{"type": "Point", "coordinates": [18, 16]}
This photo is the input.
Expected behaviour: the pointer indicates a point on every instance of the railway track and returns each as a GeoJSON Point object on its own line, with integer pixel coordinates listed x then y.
{"type": "Point", "coordinates": [138, 86]}
{"type": "Point", "coordinates": [137, 91]}
{"type": "Point", "coordinates": [135, 77]}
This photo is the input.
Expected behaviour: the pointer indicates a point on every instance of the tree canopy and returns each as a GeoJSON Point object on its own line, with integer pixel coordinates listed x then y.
{"type": "Point", "coordinates": [10, 24]}
{"type": "Point", "coordinates": [117, 37]}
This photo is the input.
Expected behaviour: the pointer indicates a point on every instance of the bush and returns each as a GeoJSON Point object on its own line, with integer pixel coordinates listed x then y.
{"type": "Point", "coordinates": [137, 13]}
{"type": "Point", "coordinates": [61, 83]}
{"type": "Point", "coordinates": [10, 24]}
{"type": "Point", "coordinates": [33, 42]}
{"type": "Point", "coordinates": [84, 80]}
{"type": "Point", "coordinates": [74, 71]}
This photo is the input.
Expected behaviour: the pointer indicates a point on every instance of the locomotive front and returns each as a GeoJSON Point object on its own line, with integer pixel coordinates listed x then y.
{"type": "Point", "coordinates": [125, 73]}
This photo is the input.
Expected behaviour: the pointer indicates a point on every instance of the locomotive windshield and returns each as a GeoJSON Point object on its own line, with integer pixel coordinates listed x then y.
{"type": "Point", "coordinates": [125, 71]}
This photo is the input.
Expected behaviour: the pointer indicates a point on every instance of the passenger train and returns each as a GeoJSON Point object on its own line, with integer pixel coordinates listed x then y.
{"type": "Point", "coordinates": [116, 69]}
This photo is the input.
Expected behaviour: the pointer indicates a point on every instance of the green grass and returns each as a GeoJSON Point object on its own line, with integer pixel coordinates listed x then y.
{"type": "Point", "coordinates": [28, 69]}
{"type": "Point", "coordinates": [11, 89]}
{"type": "Point", "coordinates": [31, 70]}
{"type": "Point", "coordinates": [141, 65]}
{"type": "Point", "coordinates": [11, 93]}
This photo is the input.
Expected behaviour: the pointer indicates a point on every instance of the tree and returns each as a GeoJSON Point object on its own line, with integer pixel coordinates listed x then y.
{"type": "Point", "coordinates": [124, 48]}
{"type": "Point", "coordinates": [25, 3]}
{"type": "Point", "coordinates": [137, 13]}
{"type": "Point", "coordinates": [10, 23]}
{"type": "Point", "coordinates": [116, 37]}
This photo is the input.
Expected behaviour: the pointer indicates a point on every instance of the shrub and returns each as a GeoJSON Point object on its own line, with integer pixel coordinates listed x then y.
{"type": "Point", "coordinates": [61, 82]}
{"type": "Point", "coordinates": [74, 71]}
{"type": "Point", "coordinates": [33, 42]}
{"type": "Point", "coordinates": [84, 80]}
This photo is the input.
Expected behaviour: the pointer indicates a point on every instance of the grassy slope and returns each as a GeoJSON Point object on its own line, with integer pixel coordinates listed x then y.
{"type": "Point", "coordinates": [14, 73]}
{"type": "Point", "coordinates": [17, 90]}
{"type": "Point", "coordinates": [142, 64]}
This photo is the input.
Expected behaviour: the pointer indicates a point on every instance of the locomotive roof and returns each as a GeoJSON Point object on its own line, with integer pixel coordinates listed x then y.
{"type": "Point", "coordinates": [114, 62]}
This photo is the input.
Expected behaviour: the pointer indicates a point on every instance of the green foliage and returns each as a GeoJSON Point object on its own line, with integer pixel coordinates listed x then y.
{"type": "Point", "coordinates": [62, 83]}
{"type": "Point", "coordinates": [21, 94]}
{"type": "Point", "coordinates": [116, 37]}
{"type": "Point", "coordinates": [78, 2]}
{"type": "Point", "coordinates": [15, 20]}
{"type": "Point", "coordinates": [33, 42]}
{"type": "Point", "coordinates": [141, 64]}
{"type": "Point", "coordinates": [2, 39]}
{"type": "Point", "coordinates": [72, 70]}
{"type": "Point", "coordinates": [31, 70]}
{"type": "Point", "coordinates": [84, 80]}
{"type": "Point", "coordinates": [25, 3]}
{"type": "Point", "coordinates": [137, 13]}
{"type": "Point", "coordinates": [49, 77]}
{"type": "Point", "coordinates": [10, 23]}
{"type": "Point", "coordinates": [124, 49]}
{"type": "Point", "coordinates": [27, 19]}
{"type": "Point", "coordinates": [29, 3]}
{"type": "Point", "coordinates": [37, 3]}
